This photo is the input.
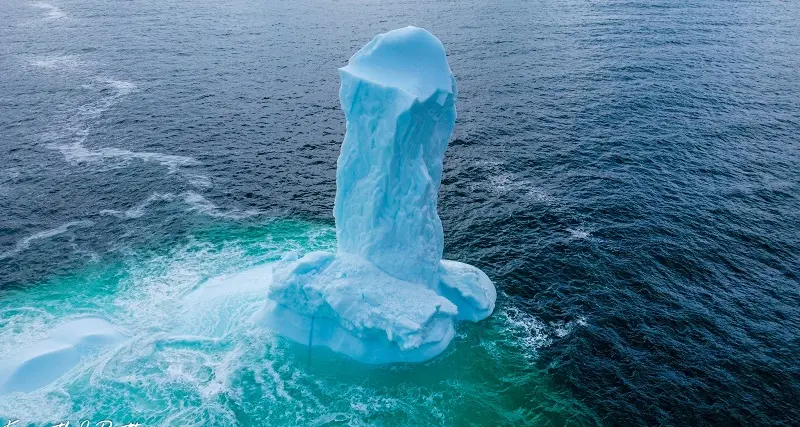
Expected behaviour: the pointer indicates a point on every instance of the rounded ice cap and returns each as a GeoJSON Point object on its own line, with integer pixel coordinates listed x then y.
{"type": "Point", "coordinates": [410, 59]}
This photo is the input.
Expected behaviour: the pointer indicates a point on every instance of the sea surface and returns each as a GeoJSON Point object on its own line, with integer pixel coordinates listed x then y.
{"type": "Point", "coordinates": [626, 171]}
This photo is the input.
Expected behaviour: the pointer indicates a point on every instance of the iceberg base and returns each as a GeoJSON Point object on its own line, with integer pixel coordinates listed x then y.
{"type": "Point", "coordinates": [345, 303]}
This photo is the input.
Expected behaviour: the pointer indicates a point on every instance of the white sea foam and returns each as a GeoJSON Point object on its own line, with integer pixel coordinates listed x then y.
{"type": "Point", "coordinates": [77, 129]}
{"type": "Point", "coordinates": [194, 203]}
{"type": "Point", "coordinates": [510, 183]}
{"type": "Point", "coordinates": [561, 329]}
{"type": "Point", "coordinates": [199, 203]}
{"type": "Point", "coordinates": [160, 353]}
{"type": "Point", "coordinates": [59, 62]}
{"type": "Point", "coordinates": [71, 133]}
{"type": "Point", "coordinates": [500, 181]}
{"type": "Point", "coordinates": [53, 12]}
{"type": "Point", "coordinates": [34, 321]}
{"type": "Point", "coordinates": [139, 210]}
{"type": "Point", "coordinates": [44, 234]}
{"type": "Point", "coordinates": [578, 233]}
{"type": "Point", "coordinates": [77, 153]}
{"type": "Point", "coordinates": [198, 180]}
{"type": "Point", "coordinates": [191, 352]}
{"type": "Point", "coordinates": [121, 87]}
{"type": "Point", "coordinates": [531, 333]}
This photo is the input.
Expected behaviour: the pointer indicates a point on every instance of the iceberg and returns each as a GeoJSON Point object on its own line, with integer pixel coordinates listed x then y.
{"type": "Point", "coordinates": [386, 295]}
{"type": "Point", "coordinates": [45, 361]}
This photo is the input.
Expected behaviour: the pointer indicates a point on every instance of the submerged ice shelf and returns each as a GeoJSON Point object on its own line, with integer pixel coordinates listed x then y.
{"type": "Point", "coordinates": [386, 295]}
{"type": "Point", "coordinates": [44, 361]}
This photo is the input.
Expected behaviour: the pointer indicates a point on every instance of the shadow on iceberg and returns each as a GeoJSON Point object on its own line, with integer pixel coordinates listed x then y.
{"type": "Point", "coordinates": [386, 295]}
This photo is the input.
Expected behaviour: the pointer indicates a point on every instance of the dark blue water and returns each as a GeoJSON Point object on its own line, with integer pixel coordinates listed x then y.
{"type": "Point", "coordinates": [627, 172]}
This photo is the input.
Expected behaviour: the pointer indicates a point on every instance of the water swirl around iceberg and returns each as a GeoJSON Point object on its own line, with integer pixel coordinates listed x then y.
{"type": "Point", "coordinates": [191, 354]}
{"type": "Point", "coordinates": [625, 172]}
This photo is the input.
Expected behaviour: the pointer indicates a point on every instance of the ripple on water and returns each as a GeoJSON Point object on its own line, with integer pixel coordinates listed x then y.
{"type": "Point", "coordinates": [191, 354]}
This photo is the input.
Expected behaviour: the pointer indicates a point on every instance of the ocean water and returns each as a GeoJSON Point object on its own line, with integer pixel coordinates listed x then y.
{"type": "Point", "coordinates": [627, 172]}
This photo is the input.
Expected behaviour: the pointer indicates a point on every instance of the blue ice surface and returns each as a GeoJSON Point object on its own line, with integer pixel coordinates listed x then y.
{"type": "Point", "coordinates": [44, 361]}
{"type": "Point", "coordinates": [398, 94]}
{"type": "Point", "coordinates": [386, 295]}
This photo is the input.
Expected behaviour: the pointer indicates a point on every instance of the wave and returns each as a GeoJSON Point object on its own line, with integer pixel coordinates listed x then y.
{"type": "Point", "coordinates": [71, 133]}
{"type": "Point", "coordinates": [139, 210]}
{"type": "Point", "coordinates": [77, 130]}
{"type": "Point", "coordinates": [76, 153]}
{"type": "Point", "coordinates": [53, 12]}
{"type": "Point", "coordinates": [510, 183]}
{"type": "Point", "coordinates": [192, 356]}
{"type": "Point", "coordinates": [60, 62]}
{"type": "Point", "coordinates": [195, 203]}
{"type": "Point", "coordinates": [532, 334]}
{"type": "Point", "coordinates": [200, 204]}
{"type": "Point", "coordinates": [502, 182]}
{"type": "Point", "coordinates": [121, 87]}
{"type": "Point", "coordinates": [143, 306]}
{"type": "Point", "coordinates": [561, 329]}
{"type": "Point", "coordinates": [578, 233]}
{"type": "Point", "coordinates": [45, 234]}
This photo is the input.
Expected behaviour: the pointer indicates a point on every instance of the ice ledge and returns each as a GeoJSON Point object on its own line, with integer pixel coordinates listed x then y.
{"type": "Point", "coordinates": [467, 287]}
{"type": "Point", "coordinates": [345, 303]}
{"type": "Point", "coordinates": [43, 362]}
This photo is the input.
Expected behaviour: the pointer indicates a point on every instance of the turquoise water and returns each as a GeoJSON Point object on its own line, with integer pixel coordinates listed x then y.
{"type": "Point", "coordinates": [626, 172]}
{"type": "Point", "coordinates": [192, 356]}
